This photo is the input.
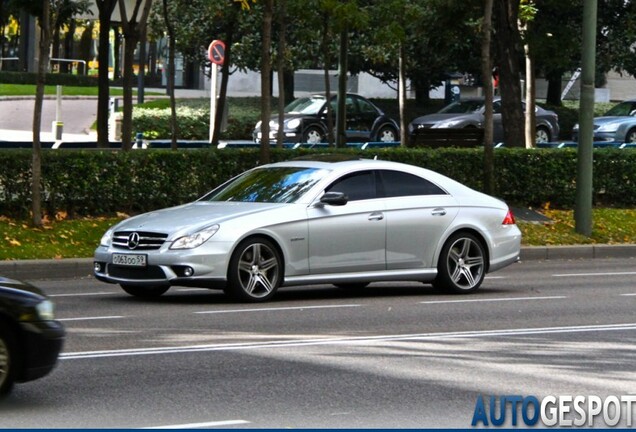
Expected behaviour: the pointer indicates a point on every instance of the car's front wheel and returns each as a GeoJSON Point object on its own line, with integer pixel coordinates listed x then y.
{"type": "Point", "coordinates": [144, 292]}
{"type": "Point", "coordinates": [462, 264]}
{"type": "Point", "coordinates": [631, 136]}
{"type": "Point", "coordinates": [8, 362]}
{"type": "Point", "coordinates": [255, 271]}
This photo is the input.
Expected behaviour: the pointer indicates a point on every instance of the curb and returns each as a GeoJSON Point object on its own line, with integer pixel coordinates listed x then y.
{"type": "Point", "coordinates": [77, 268]}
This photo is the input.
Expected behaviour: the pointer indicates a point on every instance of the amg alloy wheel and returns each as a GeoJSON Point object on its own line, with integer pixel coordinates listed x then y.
{"type": "Point", "coordinates": [255, 272]}
{"type": "Point", "coordinates": [462, 264]}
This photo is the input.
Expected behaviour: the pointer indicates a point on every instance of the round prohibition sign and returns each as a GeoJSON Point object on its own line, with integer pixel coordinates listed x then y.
{"type": "Point", "coordinates": [216, 52]}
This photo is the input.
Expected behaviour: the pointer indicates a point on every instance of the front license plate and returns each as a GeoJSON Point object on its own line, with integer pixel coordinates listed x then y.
{"type": "Point", "coordinates": [131, 260]}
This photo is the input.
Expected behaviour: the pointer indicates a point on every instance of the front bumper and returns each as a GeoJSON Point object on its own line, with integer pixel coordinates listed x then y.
{"type": "Point", "coordinates": [42, 343]}
{"type": "Point", "coordinates": [205, 266]}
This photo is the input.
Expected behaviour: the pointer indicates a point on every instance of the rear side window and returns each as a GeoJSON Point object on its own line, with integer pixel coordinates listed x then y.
{"type": "Point", "coordinates": [397, 184]}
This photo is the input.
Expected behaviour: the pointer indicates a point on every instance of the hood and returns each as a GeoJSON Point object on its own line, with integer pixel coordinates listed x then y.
{"type": "Point", "coordinates": [193, 216]}
{"type": "Point", "coordinates": [436, 118]}
{"type": "Point", "coordinates": [607, 120]}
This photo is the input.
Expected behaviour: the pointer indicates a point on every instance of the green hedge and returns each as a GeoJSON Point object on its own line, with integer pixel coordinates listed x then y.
{"type": "Point", "coordinates": [51, 79]}
{"type": "Point", "coordinates": [105, 182]}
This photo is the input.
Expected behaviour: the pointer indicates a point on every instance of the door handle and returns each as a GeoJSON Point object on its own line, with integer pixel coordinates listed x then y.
{"type": "Point", "coordinates": [376, 216]}
{"type": "Point", "coordinates": [439, 212]}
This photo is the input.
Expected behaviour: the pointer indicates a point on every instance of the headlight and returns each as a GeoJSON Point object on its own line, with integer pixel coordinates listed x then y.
{"type": "Point", "coordinates": [273, 124]}
{"type": "Point", "coordinates": [195, 240]}
{"type": "Point", "coordinates": [608, 127]}
{"type": "Point", "coordinates": [107, 238]}
{"type": "Point", "coordinates": [293, 124]}
{"type": "Point", "coordinates": [258, 125]}
{"type": "Point", "coordinates": [44, 311]}
{"type": "Point", "coordinates": [447, 123]}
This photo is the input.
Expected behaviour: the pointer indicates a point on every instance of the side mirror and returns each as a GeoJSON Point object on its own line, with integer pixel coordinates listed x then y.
{"type": "Point", "coordinates": [334, 198]}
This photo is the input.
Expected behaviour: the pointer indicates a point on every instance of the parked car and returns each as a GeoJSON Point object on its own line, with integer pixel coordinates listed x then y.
{"type": "Point", "coordinates": [30, 338]}
{"type": "Point", "coordinates": [306, 121]}
{"type": "Point", "coordinates": [616, 125]}
{"type": "Point", "coordinates": [301, 222]}
{"type": "Point", "coordinates": [469, 112]}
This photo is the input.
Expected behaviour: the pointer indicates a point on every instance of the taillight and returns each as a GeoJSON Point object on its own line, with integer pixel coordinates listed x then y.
{"type": "Point", "coordinates": [509, 219]}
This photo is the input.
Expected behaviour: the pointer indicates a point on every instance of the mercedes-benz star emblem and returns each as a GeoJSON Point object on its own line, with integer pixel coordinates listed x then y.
{"type": "Point", "coordinates": [133, 240]}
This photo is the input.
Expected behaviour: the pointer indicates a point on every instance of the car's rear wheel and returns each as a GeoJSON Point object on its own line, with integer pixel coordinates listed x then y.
{"type": "Point", "coordinates": [631, 136]}
{"type": "Point", "coordinates": [8, 362]}
{"type": "Point", "coordinates": [462, 264]}
{"type": "Point", "coordinates": [542, 135]}
{"type": "Point", "coordinates": [255, 271]}
{"type": "Point", "coordinates": [144, 292]}
{"type": "Point", "coordinates": [313, 135]}
{"type": "Point", "coordinates": [387, 134]}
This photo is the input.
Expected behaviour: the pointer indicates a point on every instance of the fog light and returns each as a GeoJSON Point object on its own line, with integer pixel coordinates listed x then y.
{"type": "Point", "coordinates": [97, 267]}
{"type": "Point", "coordinates": [188, 271]}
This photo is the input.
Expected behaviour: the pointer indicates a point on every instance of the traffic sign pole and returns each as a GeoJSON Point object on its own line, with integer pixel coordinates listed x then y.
{"type": "Point", "coordinates": [216, 55]}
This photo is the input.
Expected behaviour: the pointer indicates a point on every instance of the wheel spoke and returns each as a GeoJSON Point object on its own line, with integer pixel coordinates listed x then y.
{"type": "Point", "coordinates": [251, 284]}
{"type": "Point", "coordinates": [268, 264]}
{"type": "Point", "coordinates": [469, 277]}
{"type": "Point", "coordinates": [457, 274]}
{"type": "Point", "coordinates": [265, 283]}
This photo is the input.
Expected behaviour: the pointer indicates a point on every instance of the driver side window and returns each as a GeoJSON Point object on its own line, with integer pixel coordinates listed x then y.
{"type": "Point", "coordinates": [357, 186]}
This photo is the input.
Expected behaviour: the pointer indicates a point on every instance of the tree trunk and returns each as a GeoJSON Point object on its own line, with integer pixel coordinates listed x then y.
{"type": "Point", "coordinates": [341, 112]}
{"type": "Point", "coordinates": [326, 59]}
{"type": "Point", "coordinates": [266, 81]}
{"type": "Point", "coordinates": [130, 41]}
{"type": "Point", "coordinates": [105, 8]}
{"type": "Point", "coordinates": [174, 126]}
{"type": "Point", "coordinates": [531, 135]}
{"type": "Point", "coordinates": [36, 161]}
{"type": "Point", "coordinates": [402, 95]}
{"type": "Point", "coordinates": [486, 70]}
{"type": "Point", "coordinates": [508, 42]}
{"type": "Point", "coordinates": [554, 88]}
{"type": "Point", "coordinates": [281, 71]}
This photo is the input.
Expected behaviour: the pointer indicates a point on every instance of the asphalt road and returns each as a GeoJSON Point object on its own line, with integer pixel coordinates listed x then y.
{"type": "Point", "coordinates": [77, 114]}
{"type": "Point", "coordinates": [391, 356]}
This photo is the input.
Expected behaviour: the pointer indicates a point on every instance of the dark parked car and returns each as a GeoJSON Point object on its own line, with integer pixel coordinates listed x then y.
{"type": "Point", "coordinates": [469, 112]}
{"type": "Point", "coordinates": [616, 125]}
{"type": "Point", "coordinates": [306, 121]}
{"type": "Point", "coordinates": [30, 338]}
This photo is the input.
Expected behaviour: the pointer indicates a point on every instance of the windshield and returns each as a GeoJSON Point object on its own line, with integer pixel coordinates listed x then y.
{"type": "Point", "coordinates": [305, 105]}
{"type": "Point", "coordinates": [268, 185]}
{"type": "Point", "coordinates": [621, 110]}
{"type": "Point", "coordinates": [462, 107]}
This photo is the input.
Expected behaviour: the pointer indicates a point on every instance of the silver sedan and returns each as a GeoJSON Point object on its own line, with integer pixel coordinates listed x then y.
{"type": "Point", "coordinates": [346, 222]}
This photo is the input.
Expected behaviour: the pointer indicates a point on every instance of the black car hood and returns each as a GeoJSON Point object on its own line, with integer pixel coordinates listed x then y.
{"type": "Point", "coordinates": [21, 291]}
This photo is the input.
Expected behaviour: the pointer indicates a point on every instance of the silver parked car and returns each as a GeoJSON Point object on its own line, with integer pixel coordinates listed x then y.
{"type": "Point", "coordinates": [616, 125]}
{"type": "Point", "coordinates": [469, 112]}
{"type": "Point", "coordinates": [300, 222]}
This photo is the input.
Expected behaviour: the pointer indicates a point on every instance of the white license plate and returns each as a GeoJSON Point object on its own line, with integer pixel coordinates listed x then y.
{"type": "Point", "coordinates": [132, 260]}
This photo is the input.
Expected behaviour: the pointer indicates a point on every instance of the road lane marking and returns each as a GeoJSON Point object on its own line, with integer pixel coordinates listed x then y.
{"type": "Point", "coordinates": [628, 295]}
{"type": "Point", "coordinates": [494, 300]}
{"type": "Point", "coordinates": [594, 274]}
{"type": "Point", "coordinates": [340, 340]}
{"type": "Point", "coordinates": [278, 309]}
{"type": "Point", "coordinates": [90, 318]}
{"type": "Point", "coordinates": [200, 425]}
{"type": "Point", "coordinates": [83, 294]}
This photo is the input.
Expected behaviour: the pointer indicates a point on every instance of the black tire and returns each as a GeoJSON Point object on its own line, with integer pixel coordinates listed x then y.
{"type": "Point", "coordinates": [630, 137]}
{"type": "Point", "coordinates": [353, 286]}
{"type": "Point", "coordinates": [255, 271]}
{"type": "Point", "coordinates": [313, 135]}
{"type": "Point", "coordinates": [144, 292]}
{"type": "Point", "coordinates": [8, 360]}
{"type": "Point", "coordinates": [387, 134]}
{"type": "Point", "coordinates": [542, 135]}
{"type": "Point", "coordinates": [462, 264]}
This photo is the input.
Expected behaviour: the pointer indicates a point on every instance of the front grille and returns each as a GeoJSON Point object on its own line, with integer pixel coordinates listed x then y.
{"type": "Point", "coordinates": [147, 240]}
{"type": "Point", "coordinates": [150, 272]}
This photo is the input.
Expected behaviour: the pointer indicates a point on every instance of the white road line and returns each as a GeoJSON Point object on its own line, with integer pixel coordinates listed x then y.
{"type": "Point", "coordinates": [278, 309]}
{"type": "Point", "coordinates": [200, 425]}
{"type": "Point", "coordinates": [493, 300]}
{"type": "Point", "coordinates": [91, 318]}
{"type": "Point", "coordinates": [594, 274]}
{"type": "Point", "coordinates": [347, 340]}
{"type": "Point", "coordinates": [83, 294]}
{"type": "Point", "coordinates": [629, 295]}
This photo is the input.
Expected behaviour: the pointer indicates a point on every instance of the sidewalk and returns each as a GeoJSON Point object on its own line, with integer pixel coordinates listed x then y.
{"type": "Point", "coordinates": [76, 268]}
